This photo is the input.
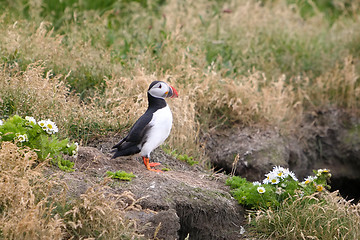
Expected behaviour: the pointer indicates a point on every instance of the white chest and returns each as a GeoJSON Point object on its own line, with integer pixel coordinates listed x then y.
{"type": "Point", "coordinates": [161, 124]}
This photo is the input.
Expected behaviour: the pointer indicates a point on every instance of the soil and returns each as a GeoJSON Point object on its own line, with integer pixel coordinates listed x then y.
{"type": "Point", "coordinates": [184, 202]}
{"type": "Point", "coordinates": [329, 138]}
{"type": "Point", "coordinates": [188, 202]}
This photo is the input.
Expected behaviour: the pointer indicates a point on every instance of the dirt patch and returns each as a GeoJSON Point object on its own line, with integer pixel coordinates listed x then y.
{"type": "Point", "coordinates": [185, 201]}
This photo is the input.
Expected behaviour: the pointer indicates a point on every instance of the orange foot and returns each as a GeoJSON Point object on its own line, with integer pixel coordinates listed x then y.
{"type": "Point", "coordinates": [154, 164]}
{"type": "Point", "coordinates": [149, 165]}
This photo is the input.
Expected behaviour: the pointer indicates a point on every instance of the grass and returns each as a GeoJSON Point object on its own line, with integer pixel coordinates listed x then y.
{"type": "Point", "coordinates": [242, 66]}
{"type": "Point", "coordinates": [87, 64]}
{"type": "Point", "coordinates": [182, 157]}
{"type": "Point", "coordinates": [33, 206]}
{"type": "Point", "coordinates": [319, 216]}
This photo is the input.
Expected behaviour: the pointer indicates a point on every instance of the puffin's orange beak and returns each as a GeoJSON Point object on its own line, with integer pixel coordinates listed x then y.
{"type": "Point", "coordinates": [173, 93]}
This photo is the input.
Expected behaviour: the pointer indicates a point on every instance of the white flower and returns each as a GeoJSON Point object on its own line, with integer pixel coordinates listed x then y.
{"type": "Point", "coordinates": [292, 175]}
{"type": "Point", "coordinates": [261, 190]}
{"type": "Point", "coordinates": [51, 127]}
{"type": "Point", "coordinates": [281, 172]}
{"type": "Point", "coordinates": [256, 183]}
{"type": "Point", "coordinates": [48, 126]}
{"type": "Point", "coordinates": [1, 122]}
{"type": "Point", "coordinates": [76, 151]}
{"type": "Point", "coordinates": [74, 154]}
{"type": "Point", "coordinates": [274, 180]}
{"type": "Point", "coordinates": [266, 181]}
{"type": "Point", "coordinates": [320, 171]}
{"type": "Point", "coordinates": [242, 230]}
{"type": "Point", "coordinates": [309, 179]}
{"type": "Point", "coordinates": [271, 177]}
{"type": "Point", "coordinates": [30, 120]}
{"type": "Point", "coordinates": [22, 138]}
{"type": "Point", "coordinates": [42, 124]}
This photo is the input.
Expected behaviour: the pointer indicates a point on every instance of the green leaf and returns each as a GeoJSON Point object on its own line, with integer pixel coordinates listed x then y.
{"type": "Point", "coordinates": [121, 175]}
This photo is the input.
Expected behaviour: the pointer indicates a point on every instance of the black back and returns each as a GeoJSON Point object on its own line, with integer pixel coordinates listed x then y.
{"type": "Point", "coordinates": [132, 143]}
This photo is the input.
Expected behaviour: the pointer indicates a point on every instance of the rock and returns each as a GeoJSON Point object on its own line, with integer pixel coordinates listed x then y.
{"type": "Point", "coordinates": [204, 207]}
{"type": "Point", "coordinates": [157, 225]}
{"type": "Point", "coordinates": [325, 139]}
{"type": "Point", "coordinates": [331, 139]}
{"type": "Point", "coordinates": [185, 201]}
{"type": "Point", "coordinates": [248, 152]}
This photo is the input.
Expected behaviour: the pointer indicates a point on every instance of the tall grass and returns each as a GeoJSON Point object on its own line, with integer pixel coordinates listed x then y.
{"type": "Point", "coordinates": [243, 62]}
{"type": "Point", "coordinates": [87, 65]}
{"type": "Point", "coordinates": [328, 216]}
{"type": "Point", "coordinates": [32, 206]}
{"type": "Point", "coordinates": [37, 92]}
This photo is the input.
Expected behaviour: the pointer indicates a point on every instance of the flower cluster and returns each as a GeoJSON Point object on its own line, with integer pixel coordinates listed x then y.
{"type": "Point", "coordinates": [30, 120]}
{"type": "Point", "coordinates": [39, 135]}
{"type": "Point", "coordinates": [279, 184]}
{"type": "Point", "coordinates": [75, 151]}
{"type": "Point", "coordinates": [277, 174]}
{"type": "Point", "coordinates": [317, 182]}
{"type": "Point", "coordinates": [48, 126]}
{"type": "Point", "coordinates": [22, 137]}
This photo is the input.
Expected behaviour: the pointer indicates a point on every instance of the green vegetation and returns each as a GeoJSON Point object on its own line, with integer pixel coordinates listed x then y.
{"type": "Point", "coordinates": [121, 175]}
{"type": "Point", "coordinates": [34, 206]}
{"type": "Point", "coordinates": [39, 136]}
{"type": "Point", "coordinates": [288, 209]}
{"type": "Point", "coordinates": [279, 185]}
{"type": "Point", "coordinates": [87, 64]}
{"type": "Point", "coordinates": [181, 157]}
{"type": "Point", "coordinates": [244, 62]}
{"type": "Point", "coordinates": [317, 216]}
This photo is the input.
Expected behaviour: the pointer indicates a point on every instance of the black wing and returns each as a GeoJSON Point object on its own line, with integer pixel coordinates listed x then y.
{"type": "Point", "coordinates": [129, 144]}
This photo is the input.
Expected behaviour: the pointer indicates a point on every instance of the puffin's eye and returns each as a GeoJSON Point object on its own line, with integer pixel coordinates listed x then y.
{"type": "Point", "coordinates": [160, 86]}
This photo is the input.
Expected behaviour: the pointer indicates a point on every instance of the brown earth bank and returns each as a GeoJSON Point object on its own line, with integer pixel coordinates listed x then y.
{"type": "Point", "coordinates": [188, 202]}
{"type": "Point", "coordinates": [325, 139]}
{"type": "Point", "coordinates": [184, 202]}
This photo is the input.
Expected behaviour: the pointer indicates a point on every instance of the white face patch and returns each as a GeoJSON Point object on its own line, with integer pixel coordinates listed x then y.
{"type": "Point", "coordinates": [159, 90]}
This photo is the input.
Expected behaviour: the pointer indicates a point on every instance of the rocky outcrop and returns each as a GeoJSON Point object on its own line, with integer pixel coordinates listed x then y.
{"type": "Point", "coordinates": [331, 139]}
{"type": "Point", "coordinates": [326, 139]}
{"type": "Point", "coordinates": [247, 152]}
{"type": "Point", "coordinates": [183, 202]}
{"type": "Point", "coordinates": [190, 203]}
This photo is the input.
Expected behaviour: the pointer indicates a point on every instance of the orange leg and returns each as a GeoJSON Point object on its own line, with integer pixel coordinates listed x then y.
{"type": "Point", "coordinates": [149, 165]}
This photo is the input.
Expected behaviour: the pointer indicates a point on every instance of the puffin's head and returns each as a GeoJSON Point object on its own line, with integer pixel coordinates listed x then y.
{"type": "Point", "coordinates": [160, 89]}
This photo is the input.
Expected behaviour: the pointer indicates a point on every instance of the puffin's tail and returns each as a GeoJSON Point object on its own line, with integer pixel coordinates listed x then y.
{"type": "Point", "coordinates": [125, 152]}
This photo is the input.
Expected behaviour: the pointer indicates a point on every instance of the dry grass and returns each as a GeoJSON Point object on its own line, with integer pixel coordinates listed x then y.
{"type": "Point", "coordinates": [232, 62]}
{"type": "Point", "coordinates": [325, 216]}
{"type": "Point", "coordinates": [25, 212]}
{"type": "Point", "coordinates": [95, 216]}
{"type": "Point", "coordinates": [259, 64]}
{"type": "Point", "coordinates": [35, 207]}
{"type": "Point", "coordinates": [37, 92]}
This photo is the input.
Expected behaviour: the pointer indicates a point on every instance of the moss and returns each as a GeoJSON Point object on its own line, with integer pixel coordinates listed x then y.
{"type": "Point", "coordinates": [353, 136]}
{"type": "Point", "coordinates": [121, 175]}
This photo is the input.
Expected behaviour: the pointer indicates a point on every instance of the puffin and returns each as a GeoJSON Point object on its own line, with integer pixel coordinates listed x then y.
{"type": "Point", "coordinates": [152, 128]}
